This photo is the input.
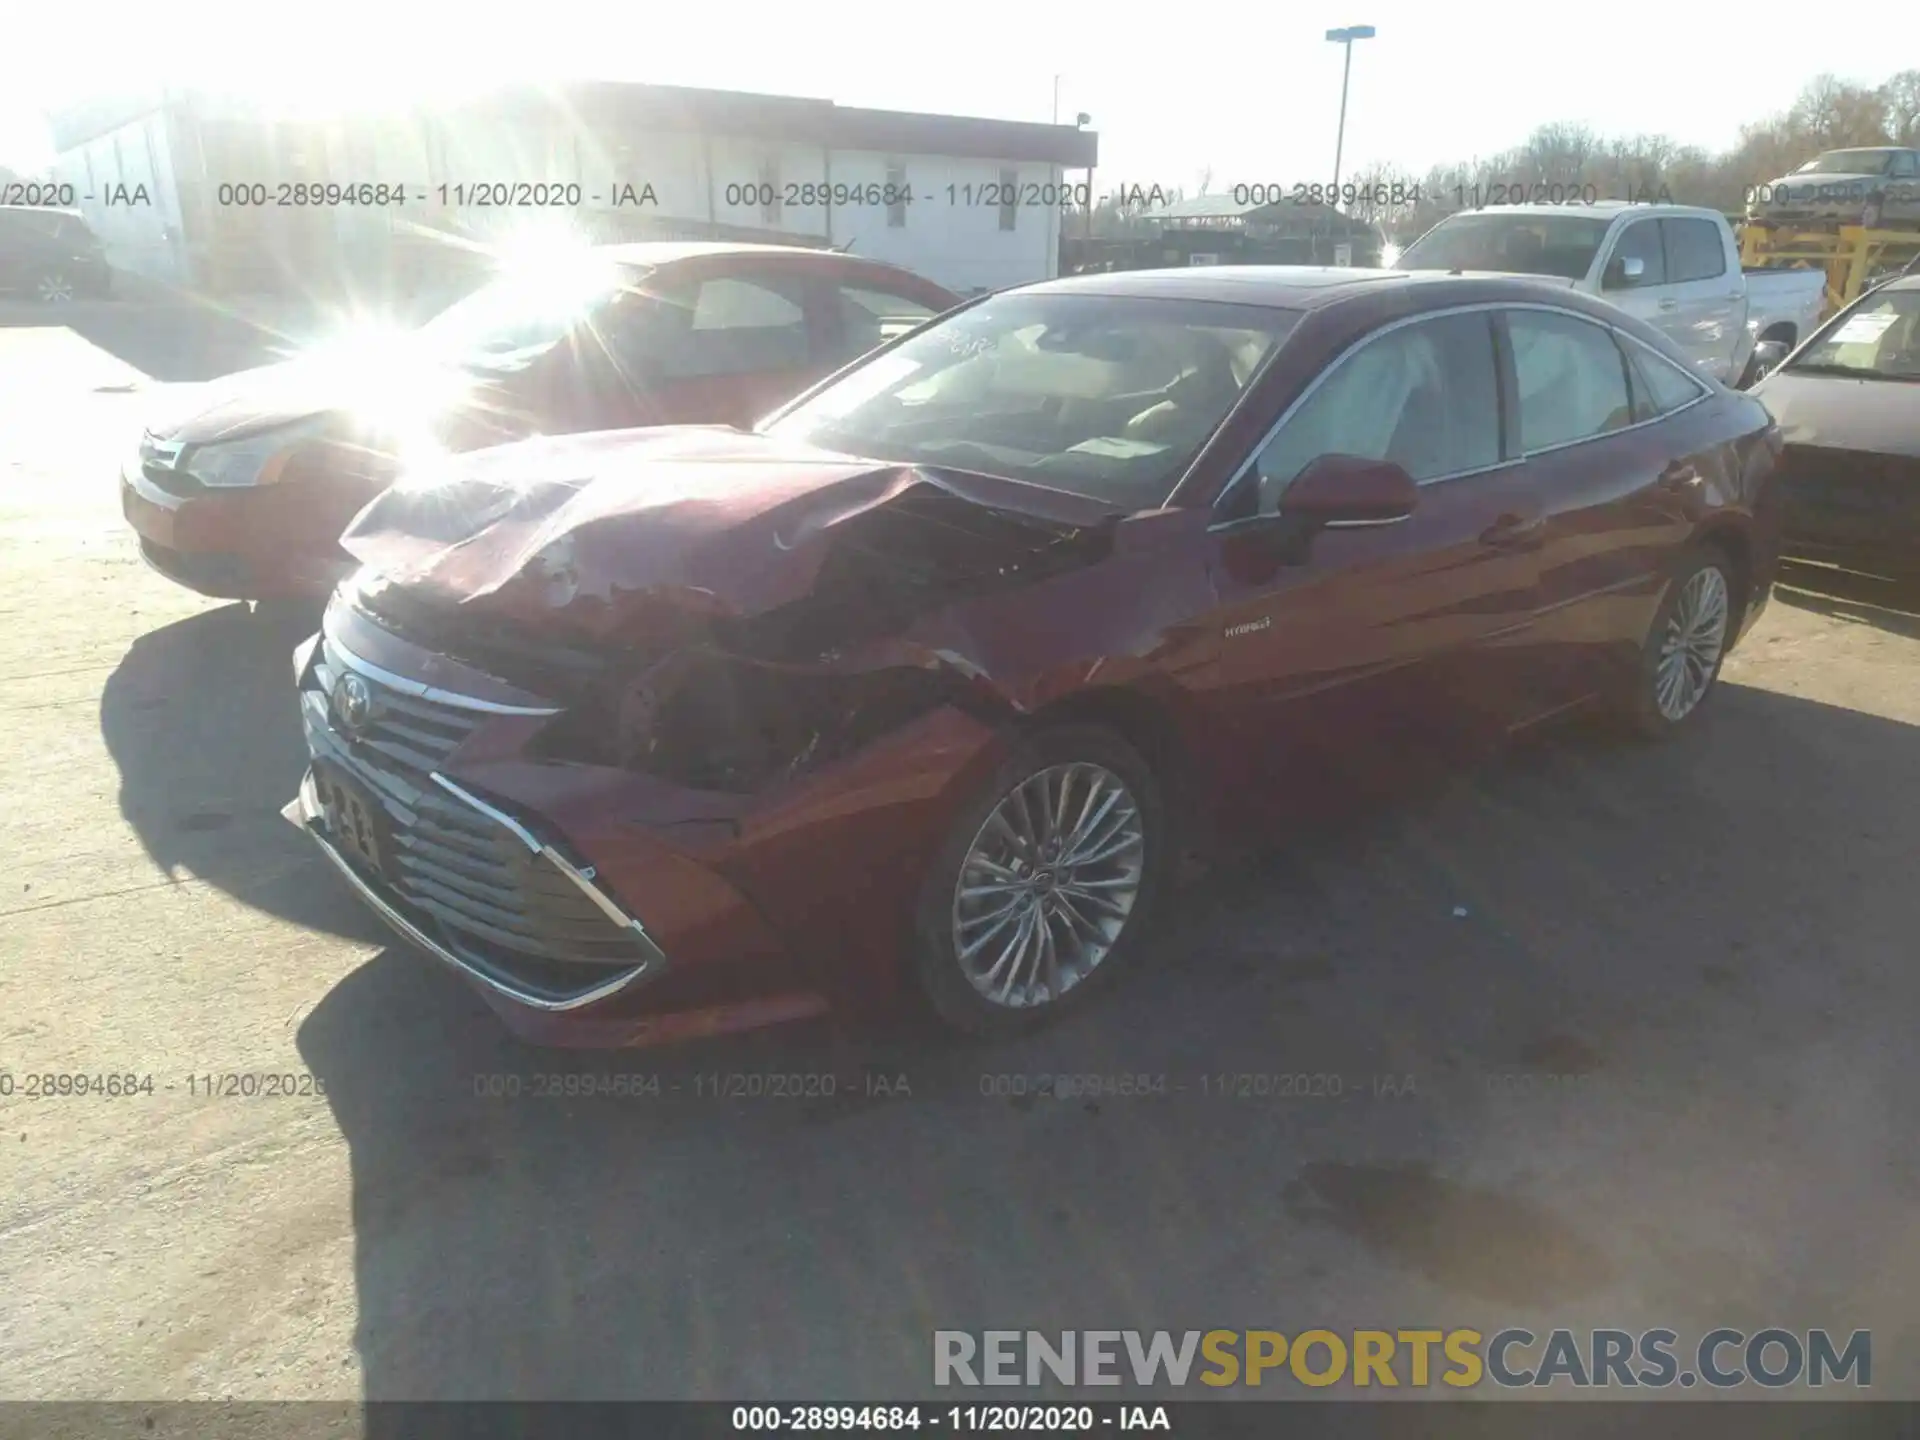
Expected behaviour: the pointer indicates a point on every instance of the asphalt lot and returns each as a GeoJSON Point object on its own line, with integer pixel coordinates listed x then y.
{"type": "Point", "coordinates": [1648, 1015]}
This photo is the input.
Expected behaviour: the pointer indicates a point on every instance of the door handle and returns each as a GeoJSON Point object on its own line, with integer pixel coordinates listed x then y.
{"type": "Point", "coordinates": [1513, 532]}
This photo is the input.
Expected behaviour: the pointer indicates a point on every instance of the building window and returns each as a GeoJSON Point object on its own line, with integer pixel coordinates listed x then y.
{"type": "Point", "coordinates": [896, 195]}
{"type": "Point", "coordinates": [1009, 198]}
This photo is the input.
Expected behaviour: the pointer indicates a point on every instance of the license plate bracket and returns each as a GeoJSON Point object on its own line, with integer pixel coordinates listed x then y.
{"type": "Point", "coordinates": [354, 820]}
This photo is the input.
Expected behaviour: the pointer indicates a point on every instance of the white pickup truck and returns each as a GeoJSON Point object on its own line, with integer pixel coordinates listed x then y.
{"type": "Point", "coordinates": [1675, 266]}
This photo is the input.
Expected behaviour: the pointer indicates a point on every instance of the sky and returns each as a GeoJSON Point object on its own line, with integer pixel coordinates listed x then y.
{"type": "Point", "coordinates": [1248, 91]}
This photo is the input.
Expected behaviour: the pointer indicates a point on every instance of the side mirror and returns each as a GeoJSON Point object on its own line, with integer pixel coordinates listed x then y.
{"type": "Point", "coordinates": [1340, 491]}
{"type": "Point", "coordinates": [1767, 356]}
{"type": "Point", "coordinates": [1623, 272]}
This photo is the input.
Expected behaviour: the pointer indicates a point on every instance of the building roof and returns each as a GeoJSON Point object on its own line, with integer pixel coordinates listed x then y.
{"type": "Point", "coordinates": [612, 106]}
{"type": "Point", "coordinates": [1201, 207]}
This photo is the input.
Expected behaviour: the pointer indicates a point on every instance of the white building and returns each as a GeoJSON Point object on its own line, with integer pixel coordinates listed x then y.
{"type": "Point", "coordinates": [622, 161]}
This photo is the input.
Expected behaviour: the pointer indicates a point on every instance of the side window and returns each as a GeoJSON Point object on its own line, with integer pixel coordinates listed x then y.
{"type": "Point", "coordinates": [1659, 386]}
{"type": "Point", "coordinates": [730, 326]}
{"type": "Point", "coordinates": [870, 318]}
{"type": "Point", "coordinates": [1571, 379]}
{"type": "Point", "coordinates": [1906, 165]}
{"type": "Point", "coordinates": [1423, 396]}
{"type": "Point", "coordinates": [1641, 241]}
{"type": "Point", "coordinates": [1694, 250]}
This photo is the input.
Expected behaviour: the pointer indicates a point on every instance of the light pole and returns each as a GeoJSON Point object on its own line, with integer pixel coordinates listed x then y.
{"type": "Point", "coordinates": [1344, 37]}
{"type": "Point", "coordinates": [1056, 100]}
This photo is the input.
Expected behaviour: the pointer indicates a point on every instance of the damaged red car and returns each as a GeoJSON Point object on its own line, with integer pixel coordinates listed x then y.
{"type": "Point", "coordinates": [930, 677]}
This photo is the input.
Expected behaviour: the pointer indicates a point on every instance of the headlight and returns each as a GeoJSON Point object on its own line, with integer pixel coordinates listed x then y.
{"type": "Point", "coordinates": [254, 460]}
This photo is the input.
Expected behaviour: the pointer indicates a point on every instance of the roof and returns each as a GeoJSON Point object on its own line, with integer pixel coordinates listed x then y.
{"type": "Point", "coordinates": [671, 252]}
{"type": "Point", "coordinates": [1286, 287]}
{"type": "Point", "coordinates": [1304, 287]}
{"type": "Point", "coordinates": [1598, 210]}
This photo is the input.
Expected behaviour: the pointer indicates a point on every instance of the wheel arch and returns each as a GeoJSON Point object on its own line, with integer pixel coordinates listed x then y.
{"type": "Point", "coordinates": [1148, 722]}
{"type": "Point", "coordinates": [1736, 545]}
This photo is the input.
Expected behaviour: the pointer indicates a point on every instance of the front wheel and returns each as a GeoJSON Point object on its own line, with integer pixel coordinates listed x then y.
{"type": "Point", "coordinates": [1681, 656]}
{"type": "Point", "coordinates": [1870, 215]}
{"type": "Point", "coordinates": [1046, 881]}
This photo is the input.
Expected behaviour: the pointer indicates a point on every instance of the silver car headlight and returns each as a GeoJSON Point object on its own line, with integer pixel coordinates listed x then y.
{"type": "Point", "coordinates": [257, 459]}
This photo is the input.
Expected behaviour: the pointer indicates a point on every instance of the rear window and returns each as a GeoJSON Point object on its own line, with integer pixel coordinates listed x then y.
{"type": "Point", "coordinates": [1519, 244]}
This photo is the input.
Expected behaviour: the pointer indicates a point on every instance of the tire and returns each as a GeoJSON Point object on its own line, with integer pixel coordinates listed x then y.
{"type": "Point", "coordinates": [54, 287]}
{"type": "Point", "coordinates": [1663, 702]}
{"type": "Point", "coordinates": [1101, 775]}
{"type": "Point", "coordinates": [1870, 215]}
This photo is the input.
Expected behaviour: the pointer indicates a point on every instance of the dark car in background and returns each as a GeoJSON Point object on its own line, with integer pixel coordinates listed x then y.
{"type": "Point", "coordinates": [1872, 186]}
{"type": "Point", "coordinates": [933, 674]}
{"type": "Point", "coordinates": [50, 255]}
{"type": "Point", "coordinates": [1848, 405]}
{"type": "Point", "coordinates": [244, 495]}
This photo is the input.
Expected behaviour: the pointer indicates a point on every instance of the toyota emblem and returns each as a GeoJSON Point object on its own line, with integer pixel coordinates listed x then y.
{"type": "Point", "coordinates": [353, 703]}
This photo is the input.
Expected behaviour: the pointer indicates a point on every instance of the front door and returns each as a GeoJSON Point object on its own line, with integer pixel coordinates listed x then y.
{"type": "Point", "coordinates": [1373, 646]}
{"type": "Point", "coordinates": [1646, 296]}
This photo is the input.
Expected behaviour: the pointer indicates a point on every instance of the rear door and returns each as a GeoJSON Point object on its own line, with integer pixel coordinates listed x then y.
{"type": "Point", "coordinates": [1705, 301]}
{"type": "Point", "coordinates": [1587, 415]}
{"type": "Point", "coordinates": [1384, 643]}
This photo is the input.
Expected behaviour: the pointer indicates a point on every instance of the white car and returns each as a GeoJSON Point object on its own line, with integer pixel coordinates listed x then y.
{"type": "Point", "coordinates": [1675, 266]}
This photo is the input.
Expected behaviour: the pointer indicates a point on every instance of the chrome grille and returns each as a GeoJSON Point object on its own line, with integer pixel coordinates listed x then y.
{"type": "Point", "coordinates": [492, 899]}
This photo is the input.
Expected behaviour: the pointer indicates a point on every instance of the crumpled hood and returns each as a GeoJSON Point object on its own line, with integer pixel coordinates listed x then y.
{"type": "Point", "coordinates": [597, 530]}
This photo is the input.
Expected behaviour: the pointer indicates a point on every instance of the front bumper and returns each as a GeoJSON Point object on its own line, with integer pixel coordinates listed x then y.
{"type": "Point", "coordinates": [234, 544]}
{"type": "Point", "coordinates": [594, 907]}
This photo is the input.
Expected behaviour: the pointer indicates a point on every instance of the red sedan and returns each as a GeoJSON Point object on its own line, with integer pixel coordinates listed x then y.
{"type": "Point", "coordinates": [245, 496]}
{"type": "Point", "coordinates": [934, 673]}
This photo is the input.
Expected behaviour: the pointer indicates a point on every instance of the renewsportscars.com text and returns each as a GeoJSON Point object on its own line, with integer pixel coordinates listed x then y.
{"type": "Point", "coordinates": [1411, 1358]}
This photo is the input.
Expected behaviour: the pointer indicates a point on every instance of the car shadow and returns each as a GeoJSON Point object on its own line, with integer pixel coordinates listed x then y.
{"type": "Point", "coordinates": [1890, 603]}
{"type": "Point", "coordinates": [700, 1228]}
{"type": "Point", "coordinates": [201, 722]}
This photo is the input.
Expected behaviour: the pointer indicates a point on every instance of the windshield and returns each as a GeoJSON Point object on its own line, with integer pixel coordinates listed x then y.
{"type": "Point", "coordinates": [1848, 162]}
{"type": "Point", "coordinates": [518, 316]}
{"type": "Point", "coordinates": [1102, 396]}
{"type": "Point", "coordinates": [1880, 340]}
{"type": "Point", "coordinates": [1560, 245]}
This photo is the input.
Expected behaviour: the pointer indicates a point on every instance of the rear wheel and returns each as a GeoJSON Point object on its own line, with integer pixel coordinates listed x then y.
{"type": "Point", "coordinates": [1045, 883]}
{"type": "Point", "coordinates": [53, 287]}
{"type": "Point", "coordinates": [1681, 656]}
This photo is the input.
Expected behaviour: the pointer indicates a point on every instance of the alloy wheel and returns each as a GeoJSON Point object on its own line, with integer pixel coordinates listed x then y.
{"type": "Point", "coordinates": [55, 288]}
{"type": "Point", "coordinates": [1690, 649]}
{"type": "Point", "coordinates": [1048, 884]}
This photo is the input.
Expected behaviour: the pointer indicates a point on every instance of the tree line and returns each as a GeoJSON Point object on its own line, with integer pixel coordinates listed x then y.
{"type": "Point", "coordinates": [1829, 114]}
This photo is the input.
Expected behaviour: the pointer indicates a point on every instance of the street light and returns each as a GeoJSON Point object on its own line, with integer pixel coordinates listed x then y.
{"type": "Point", "coordinates": [1344, 37]}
